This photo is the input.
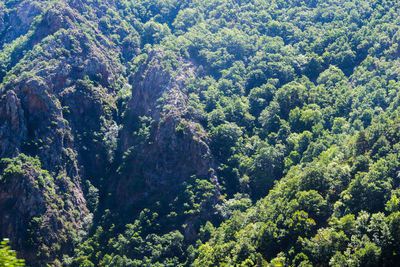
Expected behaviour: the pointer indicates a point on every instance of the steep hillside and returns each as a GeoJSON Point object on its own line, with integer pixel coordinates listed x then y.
{"type": "Point", "coordinates": [220, 132]}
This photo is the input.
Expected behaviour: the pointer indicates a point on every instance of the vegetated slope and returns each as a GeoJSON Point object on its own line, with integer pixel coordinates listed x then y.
{"type": "Point", "coordinates": [149, 132]}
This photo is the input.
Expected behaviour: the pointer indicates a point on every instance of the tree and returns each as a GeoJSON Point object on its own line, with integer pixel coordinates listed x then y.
{"type": "Point", "coordinates": [266, 167]}
{"type": "Point", "coordinates": [224, 138]}
{"type": "Point", "coordinates": [361, 143]}
{"type": "Point", "coordinates": [8, 257]}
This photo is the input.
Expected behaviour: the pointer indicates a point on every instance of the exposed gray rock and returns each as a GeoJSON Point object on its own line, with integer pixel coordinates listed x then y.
{"type": "Point", "coordinates": [177, 147]}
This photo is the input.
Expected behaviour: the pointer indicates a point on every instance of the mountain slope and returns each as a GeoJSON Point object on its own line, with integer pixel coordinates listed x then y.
{"type": "Point", "coordinates": [152, 133]}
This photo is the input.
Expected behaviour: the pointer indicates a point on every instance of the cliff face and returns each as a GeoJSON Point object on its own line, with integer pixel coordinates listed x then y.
{"type": "Point", "coordinates": [169, 145]}
{"type": "Point", "coordinates": [50, 109]}
{"type": "Point", "coordinates": [13, 125]}
{"type": "Point", "coordinates": [39, 212]}
{"type": "Point", "coordinates": [22, 14]}
{"type": "Point", "coordinates": [58, 104]}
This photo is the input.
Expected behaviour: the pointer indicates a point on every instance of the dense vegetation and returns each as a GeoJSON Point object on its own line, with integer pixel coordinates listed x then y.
{"type": "Point", "coordinates": [8, 257]}
{"type": "Point", "coordinates": [300, 106]}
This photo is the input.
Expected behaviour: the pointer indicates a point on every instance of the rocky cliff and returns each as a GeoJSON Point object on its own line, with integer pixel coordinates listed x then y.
{"type": "Point", "coordinates": [162, 142]}
{"type": "Point", "coordinates": [57, 103]}
{"type": "Point", "coordinates": [41, 213]}
{"type": "Point", "coordinates": [64, 127]}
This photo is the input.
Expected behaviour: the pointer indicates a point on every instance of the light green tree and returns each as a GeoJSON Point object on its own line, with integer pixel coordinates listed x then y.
{"type": "Point", "coordinates": [8, 257]}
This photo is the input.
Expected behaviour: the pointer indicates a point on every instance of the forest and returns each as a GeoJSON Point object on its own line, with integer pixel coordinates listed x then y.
{"type": "Point", "coordinates": [200, 133]}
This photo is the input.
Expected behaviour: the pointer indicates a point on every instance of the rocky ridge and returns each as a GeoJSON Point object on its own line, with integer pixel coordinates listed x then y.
{"type": "Point", "coordinates": [63, 126]}
{"type": "Point", "coordinates": [172, 145]}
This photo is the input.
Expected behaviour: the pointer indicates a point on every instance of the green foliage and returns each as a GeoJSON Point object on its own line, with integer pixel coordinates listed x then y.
{"type": "Point", "coordinates": [8, 257]}
{"type": "Point", "coordinates": [299, 101]}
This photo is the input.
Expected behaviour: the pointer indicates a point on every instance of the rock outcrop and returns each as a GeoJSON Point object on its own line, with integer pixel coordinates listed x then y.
{"type": "Point", "coordinates": [39, 212]}
{"type": "Point", "coordinates": [62, 124]}
{"type": "Point", "coordinates": [169, 145]}
{"type": "Point", "coordinates": [57, 103]}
